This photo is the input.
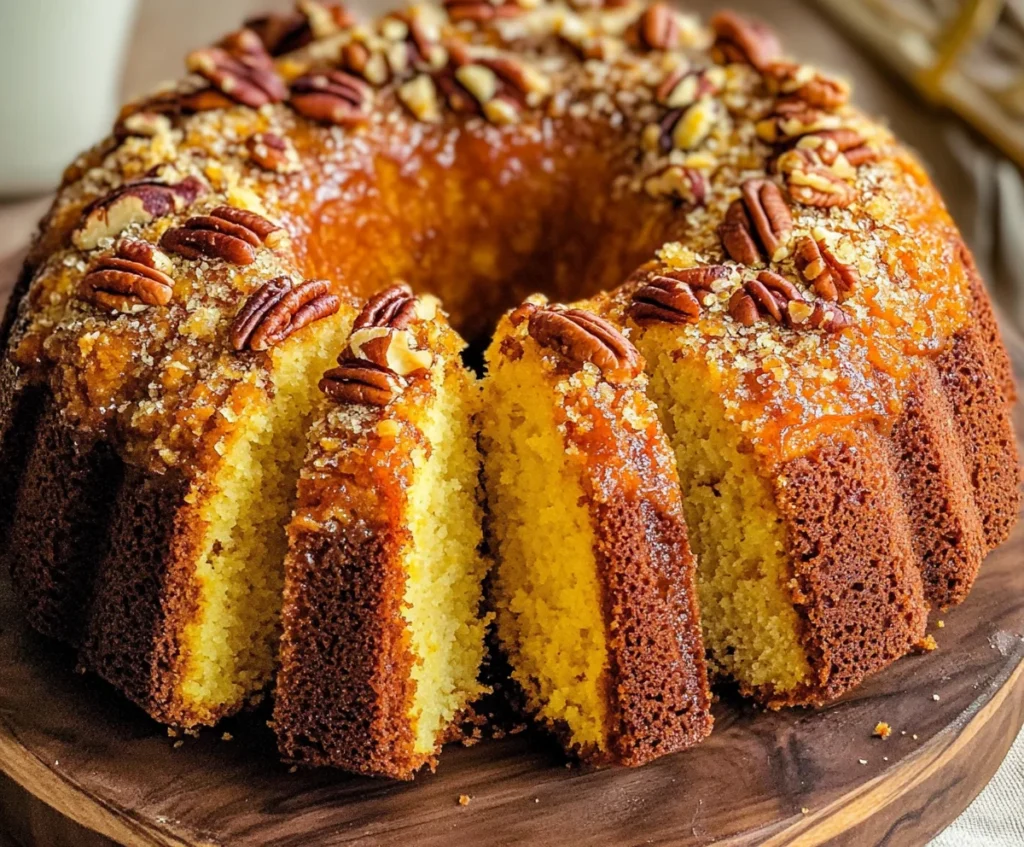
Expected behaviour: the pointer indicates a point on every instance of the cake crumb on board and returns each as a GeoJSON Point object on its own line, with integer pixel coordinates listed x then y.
{"type": "Point", "coordinates": [882, 730]}
{"type": "Point", "coordinates": [464, 799]}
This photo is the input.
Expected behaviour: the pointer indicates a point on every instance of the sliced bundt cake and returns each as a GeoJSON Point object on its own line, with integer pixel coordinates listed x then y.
{"type": "Point", "coordinates": [826, 332]}
{"type": "Point", "coordinates": [847, 460]}
{"type": "Point", "coordinates": [594, 590]}
{"type": "Point", "coordinates": [383, 620]}
{"type": "Point", "coordinates": [169, 579]}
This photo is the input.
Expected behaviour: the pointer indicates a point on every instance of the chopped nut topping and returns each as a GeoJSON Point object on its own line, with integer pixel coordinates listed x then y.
{"type": "Point", "coordinates": [685, 184]}
{"type": "Point", "coordinates": [360, 382]}
{"type": "Point", "coordinates": [282, 34]}
{"type": "Point", "coordinates": [225, 233]}
{"type": "Point", "coordinates": [683, 87]}
{"type": "Point", "coordinates": [675, 296]}
{"type": "Point", "coordinates": [392, 348]}
{"type": "Point", "coordinates": [241, 69]}
{"type": "Point", "coordinates": [757, 228]}
{"type": "Point", "coordinates": [829, 145]}
{"type": "Point", "coordinates": [278, 310]}
{"type": "Point", "coordinates": [807, 85]}
{"type": "Point", "coordinates": [482, 10]}
{"type": "Point", "coordinates": [135, 276]}
{"type": "Point", "coordinates": [273, 153]}
{"type": "Point", "coordinates": [419, 96]}
{"type": "Point", "coordinates": [743, 40]}
{"type": "Point", "coordinates": [582, 337]}
{"type": "Point", "coordinates": [332, 97]}
{"type": "Point", "coordinates": [686, 129]}
{"type": "Point", "coordinates": [499, 84]}
{"type": "Point", "coordinates": [380, 333]}
{"type": "Point", "coordinates": [792, 119]}
{"type": "Point", "coordinates": [137, 202]}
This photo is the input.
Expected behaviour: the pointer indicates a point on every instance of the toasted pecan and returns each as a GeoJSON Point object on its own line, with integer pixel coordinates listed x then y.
{"type": "Point", "coordinates": [277, 310]}
{"type": "Point", "coordinates": [582, 337]}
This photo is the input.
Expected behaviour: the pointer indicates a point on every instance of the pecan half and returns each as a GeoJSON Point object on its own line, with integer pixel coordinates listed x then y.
{"type": "Point", "coordinates": [241, 69]}
{"type": "Point", "coordinates": [360, 382]}
{"type": "Point", "coordinates": [132, 277]}
{"type": "Point", "coordinates": [137, 202]}
{"type": "Point", "coordinates": [482, 10]}
{"type": "Point", "coordinates": [226, 233]}
{"type": "Point", "coordinates": [775, 297]}
{"type": "Point", "coordinates": [282, 34]}
{"type": "Point", "coordinates": [278, 310]}
{"type": "Point", "coordinates": [687, 185]}
{"type": "Point", "coordinates": [333, 97]}
{"type": "Point", "coordinates": [583, 337]}
{"type": "Point", "coordinates": [830, 279]}
{"type": "Point", "coordinates": [743, 40]}
{"type": "Point", "coordinates": [675, 297]}
{"type": "Point", "coordinates": [819, 186]}
{"type": "Point", "coordinates": [394, 307]}
{"type": "Point", "coordinates": [757, 228]}
{"type": "Point", "coordinates": [767, 296]}
{"type": "Point", "coordinates": [273, 153]}
{"type": "Point", "coordinates": [658, 27]}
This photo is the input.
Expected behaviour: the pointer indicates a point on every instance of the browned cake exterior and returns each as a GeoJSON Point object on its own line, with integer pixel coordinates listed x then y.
{"type": "Point", "coordinates": [655, 683]}
{"type": "Point", "coordinates": [559, 150]}
{"type": "Point", "coordinates": [345, 690]}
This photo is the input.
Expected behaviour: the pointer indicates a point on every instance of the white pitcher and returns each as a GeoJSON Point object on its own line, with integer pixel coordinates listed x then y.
{"type": "Point", "coordinates": [60, 67]}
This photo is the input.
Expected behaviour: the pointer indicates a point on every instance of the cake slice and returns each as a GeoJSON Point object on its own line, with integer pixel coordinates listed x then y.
{"type": "Point", "coordinates": [594, 588]}
{"type": "Point", "coordinates": [383, 621]}
{"type": "Point", "coordinates": [807, 577]}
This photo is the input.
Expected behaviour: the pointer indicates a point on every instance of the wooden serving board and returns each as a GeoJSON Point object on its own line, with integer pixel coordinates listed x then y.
{"type": "Point", "coordinates": [70, 746]}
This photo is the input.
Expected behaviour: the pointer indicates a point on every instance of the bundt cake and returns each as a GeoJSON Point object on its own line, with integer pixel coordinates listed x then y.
{"type": "Point", "coordinates": [383, 609]}
{"type": "Point", "coordinates": [820, 349]}
{"type": "Point", "coordinates": [594, 590]}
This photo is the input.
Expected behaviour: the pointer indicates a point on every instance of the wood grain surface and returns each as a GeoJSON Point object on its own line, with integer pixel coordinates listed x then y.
{"type": "Point", "coordinates": [82, 767]}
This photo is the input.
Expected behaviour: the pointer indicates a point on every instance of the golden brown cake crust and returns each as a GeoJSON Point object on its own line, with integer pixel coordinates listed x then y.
{"type": "Point", "coordinates": [857, 583]}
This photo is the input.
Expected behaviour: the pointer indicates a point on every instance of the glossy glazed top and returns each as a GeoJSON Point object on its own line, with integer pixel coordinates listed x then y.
{"type": "Point", "coordinates": [546, 148]}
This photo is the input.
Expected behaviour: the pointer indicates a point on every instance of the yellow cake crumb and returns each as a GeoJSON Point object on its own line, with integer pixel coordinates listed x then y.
{"type": "Point", "coordinates": [548, 597]}
{"type": "Point", "coordinates": [882, 730]}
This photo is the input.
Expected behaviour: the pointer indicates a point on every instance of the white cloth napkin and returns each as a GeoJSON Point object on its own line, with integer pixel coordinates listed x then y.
{"type": "Point", "coordinates": [996, 817]}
